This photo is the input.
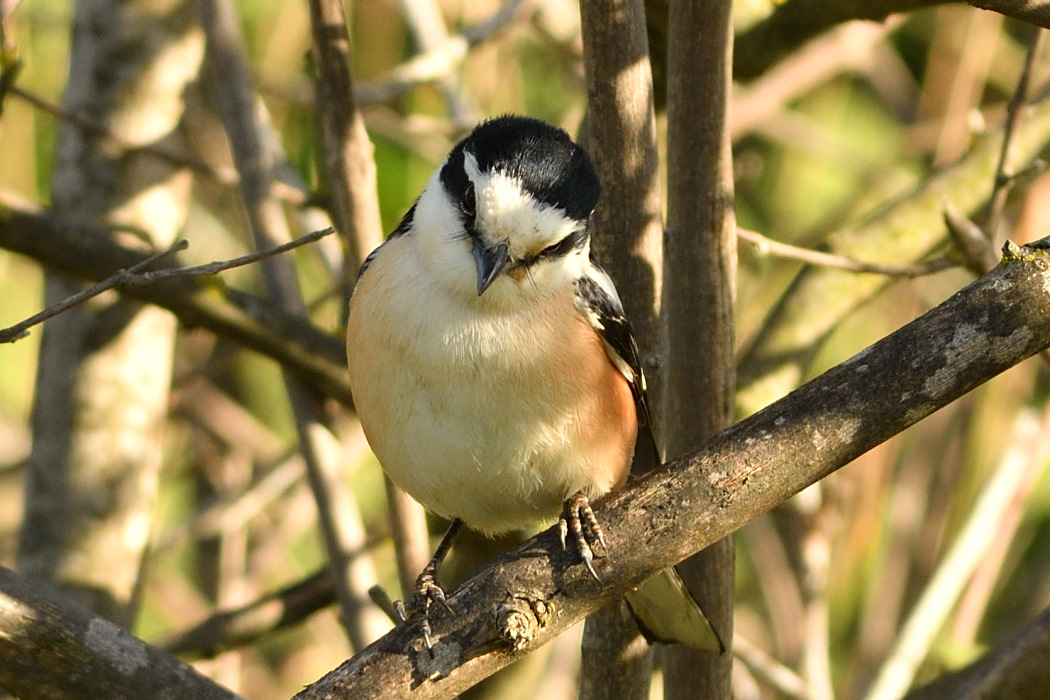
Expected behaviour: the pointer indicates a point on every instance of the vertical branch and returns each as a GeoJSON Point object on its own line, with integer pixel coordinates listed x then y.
{"type": "Point", "coordinates": [628, 234]}
{"type": "Point", "coordinates": [340, 524]}
{"type": "Point", "coordinates": [347, 154]}
{"type": "Point", "coordinates": [699, 268]}
{"type": "Point", "coordinates": [1003, 171]}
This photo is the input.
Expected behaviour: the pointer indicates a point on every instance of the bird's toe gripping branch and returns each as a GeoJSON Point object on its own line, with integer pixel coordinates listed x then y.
{"type": "Point", "coordinates": [579, 519]}
{"type": "Point", "coordinates": [427, 591]}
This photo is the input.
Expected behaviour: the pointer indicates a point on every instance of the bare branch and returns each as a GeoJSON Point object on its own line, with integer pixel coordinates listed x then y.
{"type": "Point", "coordinates": [438, 63]}
{"type": "Point", "coordinates": [698, 300]}
{"type": "Point", "coordinates": [120, 277]}
{"type": "Point", "coordinates": [88, 656]}
{"type": "Point", "coordinates": [230, 629]}
{"type": "Point", "coordinates": [348, 164]}
{"type": "Point", "coordinates": [88, 252]}
{"type": "Point", "coordinates": [1018, 102]}
{"type": "Point", "coordinates": [767, 246]}
{"type": "Point", "coordinates": [620, 134]}
{"type": "Point", "coordinates": [795, 22]}
{"type": "Point", "coordinates": [135, 275]}
{"type": "Point", "coordinates": [338, 517]}
{"type": "Point", "coordinates": [670, 513]}
{"type": "Point", "coordinates": [1035, 12]}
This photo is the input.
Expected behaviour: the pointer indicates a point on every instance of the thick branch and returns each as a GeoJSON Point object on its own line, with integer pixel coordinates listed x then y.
{"type": "Point", "coordinates": [86, 655]}
{"type": "Point", "coordinates": [671, 513]}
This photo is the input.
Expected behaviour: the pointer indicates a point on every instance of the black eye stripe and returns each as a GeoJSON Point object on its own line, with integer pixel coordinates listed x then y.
{"type": "Point", "coordinates": [573, 241]}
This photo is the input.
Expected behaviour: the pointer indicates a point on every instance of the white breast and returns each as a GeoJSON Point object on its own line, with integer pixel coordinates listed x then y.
{"type": "Point", "coordinates": [493, 417]}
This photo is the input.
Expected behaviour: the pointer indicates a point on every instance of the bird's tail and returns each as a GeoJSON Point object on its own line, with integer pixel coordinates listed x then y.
{"type": "Point", "coordinates": [666, 612]}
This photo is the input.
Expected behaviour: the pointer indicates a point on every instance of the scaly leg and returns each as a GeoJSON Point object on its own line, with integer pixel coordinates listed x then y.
{"type": "Point", "coordinates": [428, 590]}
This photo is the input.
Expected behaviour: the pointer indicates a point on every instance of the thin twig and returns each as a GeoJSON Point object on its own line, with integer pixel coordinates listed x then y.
{"type": "Point", "coordinates": [20, 330]}
{"type": "Point", "coordinates": [767, 246]}
{"type": "Point", "coordinates": [1003, 181]}
{"type": "Point", "coordinates": [133, 276]}
{"type": "Point", "coordinates": [213, 268]}
{"type": "Point", "coordinates": [978, 253]}
{"type": "Point", "coordinates": [239, 626]}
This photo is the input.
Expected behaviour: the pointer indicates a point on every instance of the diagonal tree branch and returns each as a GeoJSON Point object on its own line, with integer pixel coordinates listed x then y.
{"type": "Point", "coordinates": [535, 592]}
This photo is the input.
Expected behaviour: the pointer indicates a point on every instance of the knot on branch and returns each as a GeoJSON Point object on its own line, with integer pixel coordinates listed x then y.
{"type": "Point", "coordinates": [519, 617]}
{"type": "Point", "coordinates": [1032, 253]}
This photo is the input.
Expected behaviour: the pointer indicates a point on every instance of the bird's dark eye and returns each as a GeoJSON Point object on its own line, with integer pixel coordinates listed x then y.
{"type": "Point", "coordinates": [469, 205]}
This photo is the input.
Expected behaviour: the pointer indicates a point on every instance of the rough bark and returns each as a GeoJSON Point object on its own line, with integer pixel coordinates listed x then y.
{"type": "Point", "coordinates": [54, 649]}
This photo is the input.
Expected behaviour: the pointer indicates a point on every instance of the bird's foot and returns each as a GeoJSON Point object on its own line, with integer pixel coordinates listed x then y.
{"type": "Point", "coordinates": [578, 518]}
{"type": "Point", "coordinates": [427, 592]}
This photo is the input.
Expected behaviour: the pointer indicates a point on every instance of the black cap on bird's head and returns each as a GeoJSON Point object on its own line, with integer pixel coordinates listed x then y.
{"type": "Point", "coordinates": [546, 166]}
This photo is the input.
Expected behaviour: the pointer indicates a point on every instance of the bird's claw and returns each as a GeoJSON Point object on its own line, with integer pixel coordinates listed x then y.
{"type": "Point", "coordinates": [427, 591]}
{"type": "Point", "coordinates": [587, 533]}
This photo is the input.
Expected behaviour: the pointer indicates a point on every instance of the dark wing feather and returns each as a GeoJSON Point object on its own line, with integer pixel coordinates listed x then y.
{"type": "Point", "coordinates": [597, 300]}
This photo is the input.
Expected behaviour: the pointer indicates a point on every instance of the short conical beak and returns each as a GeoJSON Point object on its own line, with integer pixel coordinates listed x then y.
{"type": "Point", "coordinates": [489, 263]}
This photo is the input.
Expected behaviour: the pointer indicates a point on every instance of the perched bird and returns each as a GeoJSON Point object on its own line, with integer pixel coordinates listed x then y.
{"type": "Point", "coordinates": [492, 366]}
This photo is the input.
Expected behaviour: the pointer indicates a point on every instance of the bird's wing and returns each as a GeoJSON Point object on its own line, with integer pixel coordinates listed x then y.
{"type": "Point", "coordinates": [598, 302]}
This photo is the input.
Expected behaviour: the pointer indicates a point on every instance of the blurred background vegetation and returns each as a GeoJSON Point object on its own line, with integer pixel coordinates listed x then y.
{"type": "Point", "coordinates": [821, 140]}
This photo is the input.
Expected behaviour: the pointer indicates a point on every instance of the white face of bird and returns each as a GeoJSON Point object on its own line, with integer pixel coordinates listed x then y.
{"type": "Point", "coordinates": [505, 218]}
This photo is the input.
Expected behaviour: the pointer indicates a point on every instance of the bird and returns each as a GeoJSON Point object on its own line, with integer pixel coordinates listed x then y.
{"type": "Point", "coordinates": [492, 366]}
